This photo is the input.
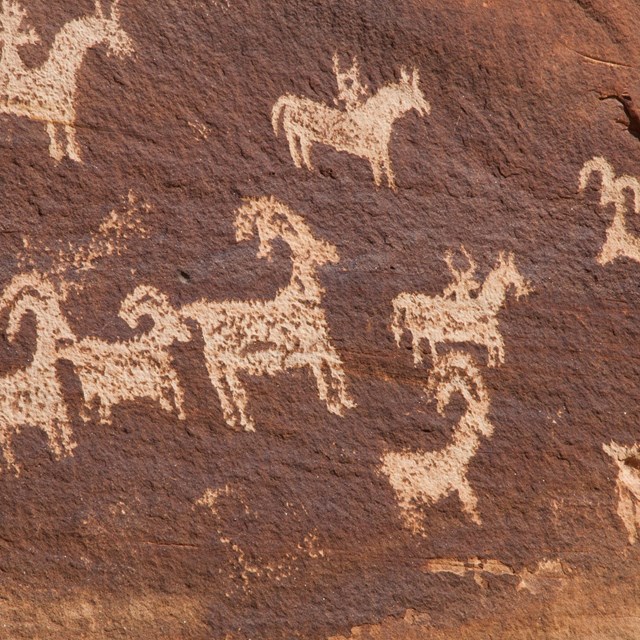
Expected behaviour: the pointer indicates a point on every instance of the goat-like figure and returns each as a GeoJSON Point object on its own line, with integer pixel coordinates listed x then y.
{"type": "Point", "coordinates": [455, 316]}
{"type": "Point", "coordinates": [115, 372]}
{"type": "Point", "coordinates": [627, 459]}
{"type": "Point", "coordinates": [32, 396]}
{"type": "Point", "coordinates": [425, 477]}
{"type": "Point", "coordinates": [619, 243]}
{"type": "Point", "coordinates": [47, 94]}
{"type": "Point", "coordinates": [265, 337]}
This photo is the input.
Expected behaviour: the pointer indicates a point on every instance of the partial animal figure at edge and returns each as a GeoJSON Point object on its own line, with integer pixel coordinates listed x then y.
{"type": "Point", "coordinates": [47, 94]}
{"type": "Point", "coordinates": [266, 337]}
{"type": "Point", "coordinates": [32, 396]}
{"type": "Point", "coordinates": [426, 477]}
{"type": "Point", "coordinates": [362, 129]}
{"type": "Point", "coordinates": [456, 316]}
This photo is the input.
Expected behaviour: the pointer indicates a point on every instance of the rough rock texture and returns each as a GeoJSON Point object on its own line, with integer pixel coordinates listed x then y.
{"type": "Point", "coordinates": [391, 396]}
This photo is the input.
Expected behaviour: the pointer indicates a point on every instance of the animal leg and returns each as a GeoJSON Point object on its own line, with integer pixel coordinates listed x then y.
{"type": "Point", "coordinates": [391, 179]}
{"type": "Point", "coordinates": [469, 500]}
{"type": "Point", "coordinates": [104, 412]}
{"type": "Point", "coordinates": [240, 399]}
{"type": "Point", "coordinates": [376, 167]}
{"type": "Point", "coordinates": [178, 396]}
{"type": "Point", "coordinates": [55, 150]}
{"type": "Point", "coordinates": [340, 399]}
{"type": "Point", "coordinates": [626, 511]}
{"type": "Point", "coordinates": [305, 147]}
{"type": "Point", "coordinates": [417, 351]}
{"type": "Point", "coordinates": [73, 150]}
{"type": "Point", "coordinates": [7, 452]}
{"type": "Point", "coordinates": [293, 150]}
{"type": "Point", "coordinates": [225, 395]}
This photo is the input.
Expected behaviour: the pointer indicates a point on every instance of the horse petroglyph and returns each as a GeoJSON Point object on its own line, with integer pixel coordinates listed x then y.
{"type": "Point", "coordinates": [32, 396]}
{"type": "Point", "coordinates": [457, 316]}
{"type": "Point", "coordinates": [115, 372]}
{"type": "Point", "coordinates": [47, 94]}
{"type": "Point", "coordinates": [425, 477]}
{"type": "Point", "coordinates": [627, 459]}
{"type": "Point", "coordinates": [363, 128]}
{"type": "Point", "coordinates": [619, 242]}
{"type": "Point", "coordinates": [265, 337]}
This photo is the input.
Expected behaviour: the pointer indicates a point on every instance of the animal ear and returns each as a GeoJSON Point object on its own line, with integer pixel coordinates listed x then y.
{"type": "Point", "coordinates": [415, 78]}
{"type": "Point", "coordinates": [115, 10]}
{"type": "Point", "coordinates": [336, 63]}
{"type": "Point", "coordinates": [404, 75]}
{"type": "Point", "coordinates": [99, 12]}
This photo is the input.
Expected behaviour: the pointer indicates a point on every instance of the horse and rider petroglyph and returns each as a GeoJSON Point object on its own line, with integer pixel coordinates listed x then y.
{"type": "Point", "coordinates": [266, 337]}
{"type": "Point", "coordinates": [619, 242]}
{"type": "Point", "coordinates": [426, 477]}
{"type": "Point", "coordinates": [47, 93]}
{"type": "Point", "coordinates": [456, 316]}
{"type": "Point", "coordinates": [363, 128]}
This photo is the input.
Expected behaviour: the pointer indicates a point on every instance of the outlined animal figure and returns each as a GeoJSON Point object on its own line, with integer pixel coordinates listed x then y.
{"type": "Point", "coordinates": [619, 242]}
{"type": "Point", "coordinates": [266, 337]}
{"type": "Point", "coordinates": [456, 316]}
{"type": "Point", "coordinates": [140, 368]}
{"type": "Point", "coordinates": [47, 93]}
{"type": "Point", "coordinates": [32, 396]}
{"type": "Point", "coordinates": [426, 477]}
{"type": "Point", "coordinates": [627, 459]}
{"type": "Point", "coordinates": [363, 129]}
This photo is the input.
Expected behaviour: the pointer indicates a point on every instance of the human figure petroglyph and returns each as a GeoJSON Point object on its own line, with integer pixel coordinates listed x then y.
{"type": "Point", "coordinates": [456, 316]}
{"type": "Point", "coordinates": [33, 396]}
{"type": "Point", "coordinates": [363, 129]}
{"type": "Point", "coordinates": [426, 477]}
{"type": "Point", "coordinates": [265, 337]}
{"type": "Point", "coordinates": [619, 242]}
{"type": "Point", "coordinates": [627, 459]}
{"type": "Point", "coordinates": [351, 92]}
{"type": "Point", "coordinates": [47, 94]}
{"type": "Point", "coordinates": [140, 368]}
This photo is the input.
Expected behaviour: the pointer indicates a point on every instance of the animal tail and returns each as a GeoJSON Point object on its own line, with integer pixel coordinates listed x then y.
{"type": "Point", "coordinates": [286, 100]}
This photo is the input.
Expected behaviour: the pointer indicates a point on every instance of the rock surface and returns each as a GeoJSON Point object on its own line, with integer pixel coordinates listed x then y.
{"type": "Point", "coordinates": [392, 395]}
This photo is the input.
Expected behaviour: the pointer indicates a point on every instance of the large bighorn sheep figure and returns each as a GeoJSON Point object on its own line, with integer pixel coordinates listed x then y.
{"type": "Point", "coordinates": [114, 372]}
{"type": "Point", "coordinates": [32, 396]}
{"type": "Point", "coordinates": [47, 93]}
{"type": "Point", "coordinates": [455, 316]}
{"type": "Point", "coordinates": [265, 337]}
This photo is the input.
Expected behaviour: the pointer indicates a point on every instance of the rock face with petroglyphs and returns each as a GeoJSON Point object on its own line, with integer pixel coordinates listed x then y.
{"type": "Point", "coordinates": [319, 320]}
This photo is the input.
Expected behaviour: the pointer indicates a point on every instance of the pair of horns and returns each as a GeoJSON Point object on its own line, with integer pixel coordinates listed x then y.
{"type": "Point", "coordinates": [114, 9]}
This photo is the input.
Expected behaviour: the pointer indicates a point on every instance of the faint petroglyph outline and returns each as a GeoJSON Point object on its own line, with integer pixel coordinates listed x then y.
{"type": "Point", "coordinates": [33, 396]}
{"type": "Point", "coordinates": [456, 316]}
{"type": "Point", "coordinates": [627, 459]}
{"type": "Point", "coordinates": [265, 337]}
{"type": "Point", "coordinates": [47, 94]}
{"type": "Point", "coordinates": [619, 242]}
{"type": "Point", "coordinates": [362, 129]}
{"type": "Point", "coordinates": [426, 477]}
{"type": "Point", "coordinates": [139, 368]}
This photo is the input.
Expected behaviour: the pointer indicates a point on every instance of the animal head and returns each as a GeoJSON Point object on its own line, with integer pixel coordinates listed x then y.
{"type": "Point", "coordinates": [409, 93]}
{"type": "Point", "coordinates": [108, 30]}
{"type": "Point", "coordinates": [148, 301]}
{"type": "Point", "coordinates": [12, 16]}
{"type": "Point", "coordinates": [508, 272]}
{"type": "Point", "coordinates": [612, 190]}
{"type": "Point", "coordinates": [271, 220]}
{"type": "Point", "coordinates": [622, 454]}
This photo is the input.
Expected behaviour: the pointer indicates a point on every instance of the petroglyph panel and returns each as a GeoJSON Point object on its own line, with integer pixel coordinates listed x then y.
{"type": "Point", "coordinates": [318, 320]}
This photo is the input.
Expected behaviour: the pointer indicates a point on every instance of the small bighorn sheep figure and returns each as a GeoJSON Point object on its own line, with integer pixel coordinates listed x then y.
{"type": "Point", "coordinates": [627, 459]}
{"type": "Point", "coordinates": [426, 477]}
{"type": "Point", "coordinates": [115, 372]}
{"type": "Point", "coordinates": [455, 316]}
{"type": "Point", "coordinates": [47, 94]}
{"type": "Point", "coordinates": [33, 396]}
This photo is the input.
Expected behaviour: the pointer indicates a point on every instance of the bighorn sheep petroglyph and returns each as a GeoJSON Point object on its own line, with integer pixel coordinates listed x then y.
{"type": "Point", "coordinates": [115, 372]}
{"type": "Point", "coordinates": [265, 337]}
{"type": "Point", "coordinates": [32, 396]}
{"type": "Point", "coordinates": [455, 316]}
{"type": "Point", "coordinates": [425, 477]}
{"type": "Point", "coordinates": [47, 94]}
{"type": "Point", "coordinates": [619, 242]}
{"type": "Point", "coordinates": [363, 129]}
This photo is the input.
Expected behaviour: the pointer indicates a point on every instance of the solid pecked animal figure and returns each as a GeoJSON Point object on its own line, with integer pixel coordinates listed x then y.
{"type": "Point", "coordinates": [266, 337]}
{"type": "Point", "coordinates": [362, 129]}
{"type": "Point", "coordinates": [426, 477]}
{"type": "Point", "coordinates": [456, 316]}
{"type": "Point", "coordinates": [139, 368]}
{"type": "Point", "coordinates": [47, 93]}
{"type": "Point", "coordinates": [32, 396]}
